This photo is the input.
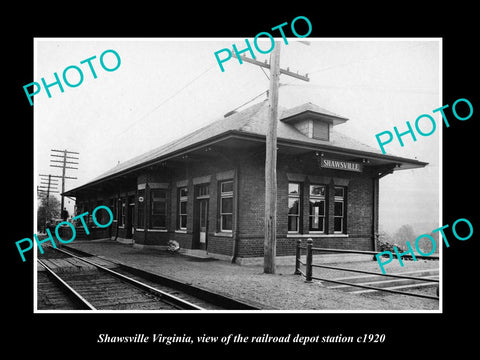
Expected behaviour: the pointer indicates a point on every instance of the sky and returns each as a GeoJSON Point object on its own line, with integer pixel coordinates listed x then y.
{"type": "Point", "coordinates": [167, 88]}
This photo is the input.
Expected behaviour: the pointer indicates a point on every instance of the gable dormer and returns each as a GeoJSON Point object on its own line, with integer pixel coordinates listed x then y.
{"type": "Point", "coordinates": [312, 121]}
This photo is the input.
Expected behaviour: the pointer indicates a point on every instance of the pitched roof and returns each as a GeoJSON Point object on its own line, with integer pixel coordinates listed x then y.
{"type": "Point", "coordinates": [251, 120]}
{"type": "Point", "coordinates": [232, 122]}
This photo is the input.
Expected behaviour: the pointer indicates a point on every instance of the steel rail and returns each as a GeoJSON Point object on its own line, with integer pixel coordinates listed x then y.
{"type": "Point", "coordinates": [71, 291]}
{"type": "Point", "coordinates": [377, 289]}
{"type": "Point", "coordinates": [172, 299]}
{"type": "Point", "coordinates": [197, 291]}
{"type": "Point", "coordinates": [201, 293]}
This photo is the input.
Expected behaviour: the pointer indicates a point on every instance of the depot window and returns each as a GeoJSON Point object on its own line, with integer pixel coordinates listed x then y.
{"type": "Point", "coordinates": [226, 206]}
{"type": "Point", "coordinates": [182, 208]}
{"type": "Point", "coordinates": [317, 208]}
{"type": "Point", "coordinates": [294, 201]}
{"type": "Point", "coordinates": [339, 210]}
{"type": "Point", "coordinates": [158, 205]}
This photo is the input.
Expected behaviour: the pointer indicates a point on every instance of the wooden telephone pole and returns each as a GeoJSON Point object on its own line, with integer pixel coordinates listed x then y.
{"type": "Point", "coordinates": [64, 157]}
{"type": "Point", "coordinates": [47, 186]}
{"type": "Point", "coordinates": [270, 239]}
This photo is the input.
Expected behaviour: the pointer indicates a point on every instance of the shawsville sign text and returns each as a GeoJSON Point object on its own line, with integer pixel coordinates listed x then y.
{"type": "Point", "coordinates": [341, 165]}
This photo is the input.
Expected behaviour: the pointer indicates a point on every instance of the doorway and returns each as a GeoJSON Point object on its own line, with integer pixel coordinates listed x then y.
{"type": "Point", "coordinates": [129, 220]}
{"type": "Point", "coordinates": [202, 199]}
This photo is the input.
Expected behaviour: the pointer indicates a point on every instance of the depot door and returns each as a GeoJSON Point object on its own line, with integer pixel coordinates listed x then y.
{"type": "Point", "coordinates": [200, 216]}
{"type": "Point", "coordinates": [129, 221]}
{"type": "Point", "coordinates": [202, 223]}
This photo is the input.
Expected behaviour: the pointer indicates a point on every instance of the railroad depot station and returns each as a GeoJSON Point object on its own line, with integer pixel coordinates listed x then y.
{"type": "Point", "coordinates": [206, 190]}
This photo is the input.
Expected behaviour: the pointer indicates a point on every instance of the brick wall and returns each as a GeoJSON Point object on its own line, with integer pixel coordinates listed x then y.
{"type": "Point", "coordinates": [152, 238]}
{"type": "Point", "coordinates": [220, 245]}
{"type": "Point", "coordinates": [251, 197]}
{"type": "Point", "coordinates": [358, 206]}
{"type": "Point", "coordinates": [185, 240]}
{"type": "Point", "coordinates": [184, 175]}
{"type": "Point", "coordinates": [253, 247]}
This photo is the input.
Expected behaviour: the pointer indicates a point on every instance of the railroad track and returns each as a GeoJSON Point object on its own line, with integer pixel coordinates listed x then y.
{"type": "Point", "coordinates": [72, 282]}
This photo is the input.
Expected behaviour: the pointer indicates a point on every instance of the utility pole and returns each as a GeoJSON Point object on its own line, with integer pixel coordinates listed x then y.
{"type": "Point", "coordinates": [47, 184]}
{"type": "Point", "coordinates": [65, 156]}
{"type": "Point", "coordinates": [270, 239]}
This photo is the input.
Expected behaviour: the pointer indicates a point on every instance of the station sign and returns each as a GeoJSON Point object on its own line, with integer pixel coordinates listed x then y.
{"type": "Point", "coordinates": [341, 165]}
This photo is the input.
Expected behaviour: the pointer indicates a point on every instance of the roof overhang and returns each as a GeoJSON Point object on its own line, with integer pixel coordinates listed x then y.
{"type": "Point", "coordinates": [287, 145]}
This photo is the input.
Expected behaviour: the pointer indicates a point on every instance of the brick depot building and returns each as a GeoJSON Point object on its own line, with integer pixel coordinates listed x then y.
{"type": "Point", "coordinates": [206, 190]}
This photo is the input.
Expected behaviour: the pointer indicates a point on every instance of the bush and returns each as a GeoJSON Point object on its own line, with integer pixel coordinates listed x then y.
{"type": "Point", "coordinates": [383, 245]}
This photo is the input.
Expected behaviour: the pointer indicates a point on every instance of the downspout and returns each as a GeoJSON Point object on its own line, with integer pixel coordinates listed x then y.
{"type": "Point", "coordinates": [118, 211]}
{"type": "Point", "coordinates": [376, 204]}
{"type": "Point", "coordinates": [237, 207]}
{"type": "Point", "coordinates": [375, 212]}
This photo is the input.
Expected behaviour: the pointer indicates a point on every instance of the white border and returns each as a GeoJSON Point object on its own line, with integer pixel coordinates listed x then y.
{"type": "Point", "coordinates": [440, 214]}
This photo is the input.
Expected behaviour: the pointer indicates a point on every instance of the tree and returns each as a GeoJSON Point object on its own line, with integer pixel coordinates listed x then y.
{"type": "Point", "coordinates": [49, 213]}
{"type": "Point", "coordinates": [403, 234]}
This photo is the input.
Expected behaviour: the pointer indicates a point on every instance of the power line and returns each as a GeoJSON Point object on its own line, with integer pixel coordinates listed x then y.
{"type": "Point", "coordinates": [47, 185]}
{"type": "Point", "coordinates": [249, 101]}
{"type": "Point", "coordinates": [266, 65]}
{"type": "Point", "coordinates": [261, 68]}
{"type": "Point", "coordinates": [142, 118]}
{"type": "Point", "coordinates": [166, 100]}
